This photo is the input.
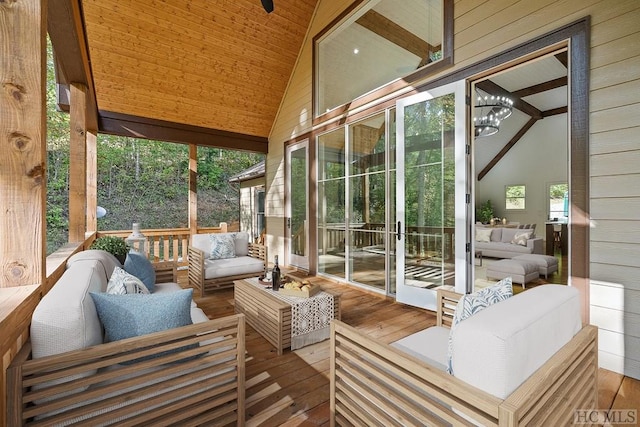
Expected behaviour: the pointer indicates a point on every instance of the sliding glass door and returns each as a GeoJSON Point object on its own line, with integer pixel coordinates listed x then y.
{"type": "Point", "coordinates": [430, 194]}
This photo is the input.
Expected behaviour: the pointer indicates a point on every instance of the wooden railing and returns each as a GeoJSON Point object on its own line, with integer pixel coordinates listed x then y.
{"type": "Point", "coordinates": [165, 244]}
{"type": "Point", "coordinates": [419, 241]}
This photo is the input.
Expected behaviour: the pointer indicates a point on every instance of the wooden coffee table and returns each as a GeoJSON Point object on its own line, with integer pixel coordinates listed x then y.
{"type": "Point", "coordinates": [269, 315]}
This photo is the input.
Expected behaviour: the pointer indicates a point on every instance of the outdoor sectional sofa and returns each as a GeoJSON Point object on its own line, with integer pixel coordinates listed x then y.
{"type": "Point", "coordinates": [67, 373]}
{"type": "Point", "coordinates": [217, 259]}
{"type": "Point", "coordinates": [508, 370]}
{"type": "Point", "coordinates": [498, 242]}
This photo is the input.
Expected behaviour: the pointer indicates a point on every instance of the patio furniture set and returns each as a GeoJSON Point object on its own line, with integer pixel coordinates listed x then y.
{"type": "Point", "coordinates": [74, 369]}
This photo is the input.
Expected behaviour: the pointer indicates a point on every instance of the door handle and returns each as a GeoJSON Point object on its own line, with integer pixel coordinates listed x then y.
{"type": "Point", "coordinates": [289, 223]}
{"type": "Point", "coordinates": [398, 230]}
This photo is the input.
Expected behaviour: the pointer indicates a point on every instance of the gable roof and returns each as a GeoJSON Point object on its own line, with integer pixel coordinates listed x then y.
{"type": "Point", "coordinates": [255, 171]}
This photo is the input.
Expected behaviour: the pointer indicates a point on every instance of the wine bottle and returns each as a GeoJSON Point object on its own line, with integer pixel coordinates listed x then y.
{"type": "Point", "coordinates": [275, 276]}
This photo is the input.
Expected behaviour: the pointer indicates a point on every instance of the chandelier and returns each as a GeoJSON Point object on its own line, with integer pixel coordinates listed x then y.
{"type": "Point", "coordinates": [490, 111]}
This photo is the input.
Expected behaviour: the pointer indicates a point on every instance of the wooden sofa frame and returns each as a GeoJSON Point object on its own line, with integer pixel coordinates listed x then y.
{"type": "Point", "coordinates": [375, 384]}
{"type": "Point", "coordinates": [196, 270]}
{"type": "Point", "coordinates": [191, 375]}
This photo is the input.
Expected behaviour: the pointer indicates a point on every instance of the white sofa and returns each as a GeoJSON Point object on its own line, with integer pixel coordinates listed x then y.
{"type": "Point", "coordinates": [207, 272]}
{"type": "Point", "coordinates": [523, 361]}
{"type": "Point", "coordinates": [500, 244]}
{"type": "Point", "coordinates": [67, 373]}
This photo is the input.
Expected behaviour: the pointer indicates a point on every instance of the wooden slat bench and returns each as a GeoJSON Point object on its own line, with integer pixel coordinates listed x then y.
{"type": "Point", "coordinates": [199, 381]}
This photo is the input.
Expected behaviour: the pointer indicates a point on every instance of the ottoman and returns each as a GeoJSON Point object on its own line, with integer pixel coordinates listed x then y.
{"type": "Point", "coordinates": [546, 264]}
{"type": "Point", "coordinates": [520, 271]}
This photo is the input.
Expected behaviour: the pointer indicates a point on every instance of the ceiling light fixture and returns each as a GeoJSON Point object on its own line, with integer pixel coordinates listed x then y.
{"type": "Point", "coordinates": [489, 112]}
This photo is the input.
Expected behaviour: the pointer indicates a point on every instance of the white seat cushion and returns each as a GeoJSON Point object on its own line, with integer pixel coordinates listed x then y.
{"type": "Point", "coordinates": [428, 345]}
{"type": "Point", "coordinates": [214, 269]}
{"type": "Point", "coordinates": [498, 348]}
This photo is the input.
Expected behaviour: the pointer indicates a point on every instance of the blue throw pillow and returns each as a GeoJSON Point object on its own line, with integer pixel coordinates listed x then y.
{"type": "Point", "coordinates": [138, 265]}
{"type": "Point", "coordinates": [132, 315]}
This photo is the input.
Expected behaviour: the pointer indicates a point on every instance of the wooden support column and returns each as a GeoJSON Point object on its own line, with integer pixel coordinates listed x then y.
{"type": "Point", "coordinates": [92, 181]}
{"type": "Point", "coordinates": [22, 142]}
{"type": "Point", "coordinates": [193, 189]}
{"type": "Point", "coordinates": [78, 163]}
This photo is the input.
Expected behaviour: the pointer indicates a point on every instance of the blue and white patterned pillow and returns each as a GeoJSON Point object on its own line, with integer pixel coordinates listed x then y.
{"type": "Point", "coordinates": [473, 303]}
{"type": "Point", "coordinates": [121, 283]}
{"type": "Point", "coordinates": [222, 246]}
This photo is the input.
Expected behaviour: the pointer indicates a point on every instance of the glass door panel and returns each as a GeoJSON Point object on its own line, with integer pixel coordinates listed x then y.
{"type": "Point", "coordinates": [331, 204]}
{"type": "Point", "coordinates": [298, 206]}
{"type": "Point", "coordinates": [367, 202]}
{"type": "Point", "coordinates": [426, 192]}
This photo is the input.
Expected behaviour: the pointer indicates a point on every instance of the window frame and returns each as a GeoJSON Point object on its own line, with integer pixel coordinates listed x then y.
{"type": "Point", "coordinates": [548, 196]}
{"type": "Point", "coordinates": [523, 198]}
{"type": "Point", "coordinates": [393, 86]}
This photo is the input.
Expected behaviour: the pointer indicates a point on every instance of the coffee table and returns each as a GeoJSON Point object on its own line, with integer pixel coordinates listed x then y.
{"type": "Point", "coordinates": [269, 314]}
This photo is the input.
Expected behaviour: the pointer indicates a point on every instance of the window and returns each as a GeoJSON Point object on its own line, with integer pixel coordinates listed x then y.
{"type": "Point", "coordinates": [558, 201]}
{"type": "Point", "coordinates": [260, 223]}
{"type": "Point", "coordinates": [379, 42]}
{"type": "Point", "coordinates": [515, 197]}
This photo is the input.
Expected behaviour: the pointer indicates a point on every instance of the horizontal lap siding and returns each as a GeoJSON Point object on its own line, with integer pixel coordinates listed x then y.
{"type": "Point", "coordinates": [485, 28]}
{"type": "Point", "coordinates": [615, 189]}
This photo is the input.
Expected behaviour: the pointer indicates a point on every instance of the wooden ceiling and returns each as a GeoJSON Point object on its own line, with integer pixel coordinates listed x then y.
{"type": "Point", "coordinates": [209, 64]}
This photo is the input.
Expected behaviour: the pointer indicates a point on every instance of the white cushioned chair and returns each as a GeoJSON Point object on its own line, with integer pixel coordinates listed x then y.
{"type": "Point", "coordinates": [526, 360]}
{"type": "Point", "coordinates": [214, 265]}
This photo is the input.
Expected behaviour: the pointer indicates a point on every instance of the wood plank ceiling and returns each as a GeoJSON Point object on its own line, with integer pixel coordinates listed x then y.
{"type": "Point", "coordinates": [221, 65]}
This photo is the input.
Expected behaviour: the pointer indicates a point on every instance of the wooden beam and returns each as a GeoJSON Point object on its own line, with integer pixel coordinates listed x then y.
{"type": "Point", "coordinates": [66, 31]}
{"type": "Point", "coordinates": [78, 164]}
{"type": "Point", "coordinates": [160, 130]}
{"type": "Point", "coordinates": [506, 148]}
{"type": "Point", "coordinates": [92, 181]}
{"type": "Point", "coordinates": [23, 142]}
{"type": "Point", "coordinates": [193, 188]}
{"type": "Point", "coordinates": [555, 111]}
{"type": "Point", "coordinates": [494, 89]}
{"type": "Point", "coordinates": [398, 35]}
{"type": "Point", "coordinates": [563, 58]}
{"type": "Point", "coordinates": [542, 87]}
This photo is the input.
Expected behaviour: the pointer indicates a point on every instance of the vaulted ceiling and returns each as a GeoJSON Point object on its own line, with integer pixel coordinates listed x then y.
{"type": "Point", "coordinates": [219, 67]}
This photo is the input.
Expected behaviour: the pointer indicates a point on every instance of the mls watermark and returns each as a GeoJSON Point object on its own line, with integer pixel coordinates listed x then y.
{"type": "Point", "coordinates": [606, 417]}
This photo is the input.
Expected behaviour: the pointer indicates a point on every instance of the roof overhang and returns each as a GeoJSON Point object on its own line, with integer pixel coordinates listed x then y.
{"type": "Point", "coordinates": [196, 71]}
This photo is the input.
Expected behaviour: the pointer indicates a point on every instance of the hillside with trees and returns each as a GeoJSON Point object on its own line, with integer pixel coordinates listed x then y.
{"type": "Point", "coordinates": [140, 180]}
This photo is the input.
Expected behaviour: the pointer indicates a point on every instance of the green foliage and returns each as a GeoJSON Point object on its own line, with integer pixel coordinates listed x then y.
{"type": "Point", "coordinates": [58, 131]}
{"type": "Point", "coordinates": [485, 212]}
{"type": "Point", "coordinates": [556, 191]}
{"type": "Point", "coordinates": [112, 244]}
{"type": "Point", "coordinates": [139, 180]}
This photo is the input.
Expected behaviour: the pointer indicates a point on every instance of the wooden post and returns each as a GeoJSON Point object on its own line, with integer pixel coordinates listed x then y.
{"type": "Point", "coordinates": [22, 142]}
{"type": "Point", "coordinates": [193, 189]}
{"type": "Point", "coordinates": [78, 163]}
{"type": "Point", "coordinates": [92, 181]}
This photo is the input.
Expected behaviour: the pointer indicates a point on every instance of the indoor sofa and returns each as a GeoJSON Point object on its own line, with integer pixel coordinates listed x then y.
{"type": "Point", "coordinates": [503, 242]}
{"type": "Point", "coordinates": [506, 368]}
{"type": "Point", "coordinates": [68, 372]}
{"type": "Point", "coordinates": [217, 259]}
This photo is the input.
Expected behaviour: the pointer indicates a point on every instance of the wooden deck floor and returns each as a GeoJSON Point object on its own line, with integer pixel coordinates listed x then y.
{"type": "Point", "coordinates": [293, 389]}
